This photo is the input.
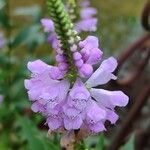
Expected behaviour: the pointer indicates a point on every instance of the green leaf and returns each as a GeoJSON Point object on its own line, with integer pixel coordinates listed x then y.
{"type": "Point", "coordinates": [4, 140]}
{"type": "Point", "coordinates": [101, 142]}
{"type": "Point", "coordinates": [28, 35]}
{"type": "Point", "coordinates": [35, 139]}
{"type": "Point", "coordinates": [130, 144]}
{"type": "Point", "coordinates": [34, 11]}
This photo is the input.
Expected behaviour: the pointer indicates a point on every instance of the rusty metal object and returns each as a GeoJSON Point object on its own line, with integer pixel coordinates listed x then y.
{"type": "Point", "coordinates": [145, 16]}
{"type": "Point", "coordinates": [131, 81]}
{"type": "Point", "coordinates": [131, 117]}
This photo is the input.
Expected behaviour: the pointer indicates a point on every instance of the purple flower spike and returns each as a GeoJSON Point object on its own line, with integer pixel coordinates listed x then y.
{"type": "Point", "coordinates": [81, 105]}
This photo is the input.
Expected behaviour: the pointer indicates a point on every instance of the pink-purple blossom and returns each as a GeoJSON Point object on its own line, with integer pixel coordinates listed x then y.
{"type": "Point", "coordinates": [67, 94]}
{"type": "Point", "coordinates": [83, 105]}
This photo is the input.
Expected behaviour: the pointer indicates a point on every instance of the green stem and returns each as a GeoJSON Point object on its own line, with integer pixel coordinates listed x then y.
{"type": "Point", "coordinates": [65, 33]}
{"type": "Point", "coordinates": [73, 10]}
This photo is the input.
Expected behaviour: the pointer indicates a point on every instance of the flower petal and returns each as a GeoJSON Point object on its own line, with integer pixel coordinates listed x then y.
{"type": "Point", "coordinates": [64, 86]}
{"type": "Point", "coordinates": [73, 124]}
{"type": "Point", "coordinates": [79, 90]}
{"type": "Point", "coordinates": [111, 116]}
{"type": "Point", "coordinates": [79, 95]}
{"type": "Point", "coordinates": [48, 25]}
{"type": "Point", "coordinates": [54, 123]}
{"type": "Point", "coordinates": [36, 107]}
{"type": "Point", "coordinates": [109, 64]}
{"type": "Point", "coordinates": [38, 66]}
{"type": "Point", "coordinates": [103, 74]}
{"type": "Point", "coordinates": [98, 127]}
{"type": "Point", "coordinates": [95, 56]}
{"type": "Point", "coordinates": [94, 113]}
{"type": "Point", "coordinates": [70, 112]}
{"type": "Point", "coordinates": [109, 99]}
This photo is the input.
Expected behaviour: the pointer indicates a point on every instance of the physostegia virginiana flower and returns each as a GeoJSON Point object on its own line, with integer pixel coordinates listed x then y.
{"type": "Point", "coordinates": [67, 94]}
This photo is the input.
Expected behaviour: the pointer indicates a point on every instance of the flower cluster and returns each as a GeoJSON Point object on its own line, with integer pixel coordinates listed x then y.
{"type": "Point", "coordinates": [79, 106]}
{"type": "Point", "coordinates": [67, 94]}
{"type": "Point", "coordinates": [86, 23]}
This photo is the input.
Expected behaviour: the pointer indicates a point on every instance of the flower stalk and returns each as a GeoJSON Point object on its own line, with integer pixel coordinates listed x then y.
{"type": "Point", "coordinates": [67, 94]}
{"type": "Point", "coordinates": [73, 10]}
{"type": "Point", "coordinates": [65, 33]}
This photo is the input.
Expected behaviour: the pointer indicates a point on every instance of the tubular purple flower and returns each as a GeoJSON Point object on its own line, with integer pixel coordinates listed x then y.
{"type": "Point", "coordinates": [104, 73]}
{"type": "Point", "coordinates": [88, 12]}
{"type": "Point", "coordinates": [48, 25]}
{"type": "Point", "coordinates": [42, 89]}
{"type": "Point", "coordinates": [109, 99]}
{"type": "Point", "coordinates": [86, 25]}
{"type": "Point", "coordinates": [38, 67]}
